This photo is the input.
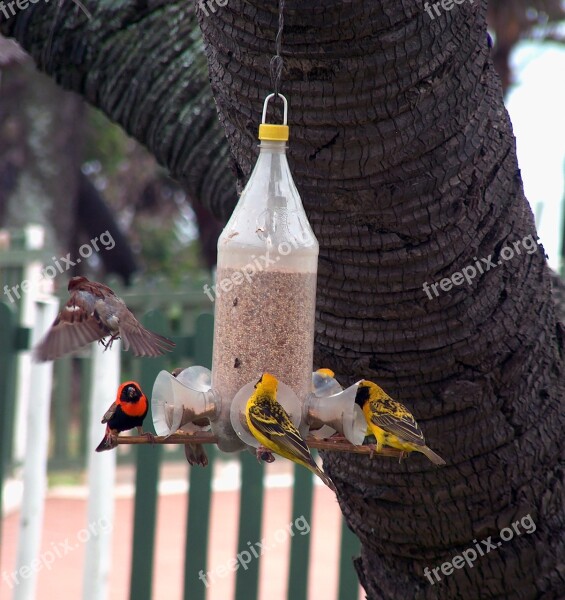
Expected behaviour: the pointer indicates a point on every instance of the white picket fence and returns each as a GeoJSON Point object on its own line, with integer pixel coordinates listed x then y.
{"type": "Point", "coordinates": [39, 308]}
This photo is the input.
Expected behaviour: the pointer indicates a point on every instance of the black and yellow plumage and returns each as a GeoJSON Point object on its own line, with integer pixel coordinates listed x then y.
{"type": "Point", "coordinates": [271, 426]}
{"type": "Point", "coordinates": [391, 422]}
{"type": "Point", "coordinates": [321, 375]}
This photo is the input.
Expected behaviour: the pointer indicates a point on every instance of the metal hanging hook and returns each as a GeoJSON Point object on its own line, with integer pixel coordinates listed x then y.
{"type": "Point", "coordinates": [276, 64]}
{"type": "Point", "coordinates": [285, 105]}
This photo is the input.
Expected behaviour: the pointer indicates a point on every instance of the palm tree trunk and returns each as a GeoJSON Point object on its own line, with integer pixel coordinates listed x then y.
{"type": "Point", "coordinates": [405, 159]}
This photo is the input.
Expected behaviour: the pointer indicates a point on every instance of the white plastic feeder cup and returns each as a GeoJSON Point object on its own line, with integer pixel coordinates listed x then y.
{"type": "Point", "coordinates": [323, 385]}
{"type": "Point", "coordinates": [178, 401]}
{"type": "Point", "coordinates": [285, 397]}
{"type": "Point", "coordinates": [339, 412]}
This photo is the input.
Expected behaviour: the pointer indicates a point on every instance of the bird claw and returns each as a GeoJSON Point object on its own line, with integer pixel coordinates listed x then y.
{"type": "Point", "coordinates": [264, 455]}
{"type": "Point", "coordinates": [147, 434]}
{"type": "Point", "coordinates": [108, 345]}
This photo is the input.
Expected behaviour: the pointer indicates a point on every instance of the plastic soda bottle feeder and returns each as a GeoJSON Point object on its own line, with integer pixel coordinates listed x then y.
{"type": "Point", "coordinates": [264, 313]}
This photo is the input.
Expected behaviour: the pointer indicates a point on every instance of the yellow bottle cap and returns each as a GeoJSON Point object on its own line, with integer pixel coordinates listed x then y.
{"type": "Point", "coordinates": [273, 133]}
{"type": "Point", "coordinates": [270, 132]}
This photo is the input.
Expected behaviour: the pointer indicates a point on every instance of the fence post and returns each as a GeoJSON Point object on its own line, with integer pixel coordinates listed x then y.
{"type": "Point", "coordinates": [7, 364]}
{"type": "Point", "coordinates": [28, 317]}
{"type": "Point", "coordinates": [300, 544]}
{"type": "Point", "coordinates": [35, 465]}
{"type": "Point", "coordinates": [250, 517]}
{"type": "Point", "coordinates": [200, 485]}
{"type": "Point", "coordinates": [105, 380]}
{"type": "Point", "coordinates": [348, 586]}
{"type": "Point", "coordinates": [146, 480]}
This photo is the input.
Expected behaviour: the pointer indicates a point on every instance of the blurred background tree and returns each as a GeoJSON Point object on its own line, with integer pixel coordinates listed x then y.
{"type": "Point", "coordinates": [512, 21]}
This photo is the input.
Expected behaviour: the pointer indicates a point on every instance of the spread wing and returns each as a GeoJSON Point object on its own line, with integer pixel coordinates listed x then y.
{"type": "Point", "coordinates": [141, 341]}
{"type": "Point", "coordinates": [270, 418]}
{"type": "Point", "coordinates": [76, 326]}
{"type": "Point", "coordinates": [109, 413]}
{"type": "Point", "coordinates": [393, 417]}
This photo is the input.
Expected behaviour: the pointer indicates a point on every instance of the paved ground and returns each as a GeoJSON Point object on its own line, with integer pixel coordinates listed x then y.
{"type": "Point", "coordinates": [65, 516]}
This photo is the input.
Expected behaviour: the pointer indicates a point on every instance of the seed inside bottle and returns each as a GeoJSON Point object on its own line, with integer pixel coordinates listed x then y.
{"type": "Point", "coordinates": [269, 328]}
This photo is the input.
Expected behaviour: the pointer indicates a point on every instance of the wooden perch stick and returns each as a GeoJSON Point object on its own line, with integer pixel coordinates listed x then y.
{"type": "Point", "coordinates": [335, 444]}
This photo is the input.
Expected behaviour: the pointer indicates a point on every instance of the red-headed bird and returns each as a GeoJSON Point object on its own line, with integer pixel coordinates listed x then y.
{"type": "Point", "coordinates": [127, 412]}
{"type": "Point", "coordinates": [92, 313]}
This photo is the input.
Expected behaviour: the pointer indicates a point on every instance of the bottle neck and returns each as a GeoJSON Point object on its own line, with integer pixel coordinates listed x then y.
{"type": "Point", "coordinates": [267, 146]}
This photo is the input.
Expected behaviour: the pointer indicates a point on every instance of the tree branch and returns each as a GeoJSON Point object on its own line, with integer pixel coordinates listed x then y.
{"type": "Point", "coordinates": [143, 66]}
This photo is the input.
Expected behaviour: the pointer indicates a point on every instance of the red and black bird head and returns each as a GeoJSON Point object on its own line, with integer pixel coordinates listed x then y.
{"type": "Point", "coordinates": [129, 392]}
{"type": "Point", "coordinates": [128, 411]}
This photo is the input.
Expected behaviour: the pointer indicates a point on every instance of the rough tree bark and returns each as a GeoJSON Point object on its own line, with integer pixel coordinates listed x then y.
{"type": "Point", "coordinates": [405, 159]}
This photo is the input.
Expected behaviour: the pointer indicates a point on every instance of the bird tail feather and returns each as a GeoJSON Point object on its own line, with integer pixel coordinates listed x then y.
{"type": "Point", "coordinates": [144, 342]}
{"type": "Point", "coordinates": [108, 442]}
{"type": "Point", "coordinates": [435, 458]}
{"type": "Point", "coordinates": [325, 478]}
{"type": "Point", "coordinates": [195, 454]}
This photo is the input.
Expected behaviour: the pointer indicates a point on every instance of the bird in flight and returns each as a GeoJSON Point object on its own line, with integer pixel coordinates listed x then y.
{"type": "Point", "coordinates": [93, 313]}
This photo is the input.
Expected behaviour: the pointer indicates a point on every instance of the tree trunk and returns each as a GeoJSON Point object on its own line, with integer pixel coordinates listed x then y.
{"type": "Point", "coordinates": [405, 159]}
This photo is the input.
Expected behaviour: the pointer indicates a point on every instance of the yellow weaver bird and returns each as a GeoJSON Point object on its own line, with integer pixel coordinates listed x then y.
{"type": "Point", "coordinates": [324, 382]}
{"type": "Point", "coordinates": [391, 422]}
{"type": "Point", "coordinates": [271, 426]}
{"type": "Point", "coordinates": [324, 373]}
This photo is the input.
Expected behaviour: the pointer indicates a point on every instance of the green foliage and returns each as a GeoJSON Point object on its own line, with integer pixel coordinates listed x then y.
{"type": "Point", "coordinates": [160, 224]}
{"type": "Point", "coordinates": [164, 254]}
{"type": "Point", "coordinates": [105, 142]}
